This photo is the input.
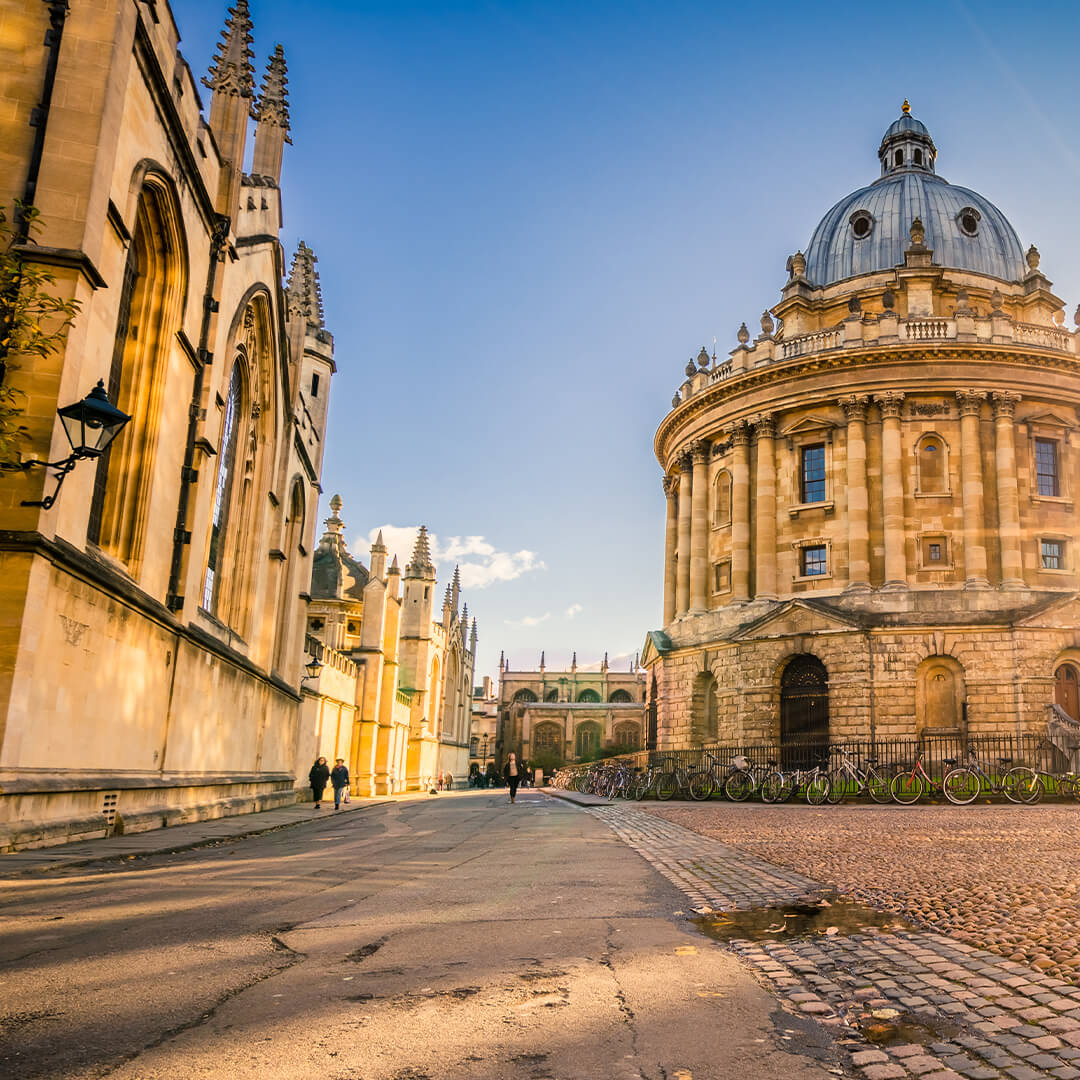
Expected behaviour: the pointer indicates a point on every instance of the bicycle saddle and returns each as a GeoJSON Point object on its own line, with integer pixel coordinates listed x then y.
{"type": "Point", "coordinates": [1005, 760]}
{"type": "Point", "coordinates": [949, 760]}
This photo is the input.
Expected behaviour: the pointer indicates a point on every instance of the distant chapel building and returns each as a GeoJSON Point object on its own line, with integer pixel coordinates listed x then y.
{"type": "Point", "coordinates": [872, 507]}
{"type": "Point", "coordinates": [154, 617]}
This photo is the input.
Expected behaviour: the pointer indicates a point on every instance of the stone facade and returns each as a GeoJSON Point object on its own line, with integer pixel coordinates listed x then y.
{"type": "Point", "coordinates": [484, 729]}
{"type": "Point", "coordinates": [409, 691]}
{"type": "Point", "coordinates": [154, 615]}
{"type": "Point", "coordinates": [569, 714]}
{"type": "Point", "coordinates": [871, 518]}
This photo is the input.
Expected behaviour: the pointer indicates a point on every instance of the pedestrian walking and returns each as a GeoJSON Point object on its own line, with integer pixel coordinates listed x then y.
{"type": "Point", "coordinates": [449, 781]}
{"type": "Point", "coordinates": [339, 777]}
{"type": "Point", "coordinates": [317, 778]}
{"type": "Point", "coordinates": [512, 774]}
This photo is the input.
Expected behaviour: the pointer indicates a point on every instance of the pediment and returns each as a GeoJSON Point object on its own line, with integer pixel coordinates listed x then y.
{"type": "Point", "coordinates": [807, 425]}
{"type": "Point", "coordinates": [1064, 611]}
{"type": "Point", "coordinates": [656, 644]}
{"type": "Point", "coordinates": [794, 618]}
{"type": "Point", "coordinates": [1050, 419]}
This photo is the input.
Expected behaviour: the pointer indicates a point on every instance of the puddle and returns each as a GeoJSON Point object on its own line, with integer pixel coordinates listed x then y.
{"type": "Point", "coordinates": [906, 1028]}
{"type": "Point", "coordinates": [828, 917]}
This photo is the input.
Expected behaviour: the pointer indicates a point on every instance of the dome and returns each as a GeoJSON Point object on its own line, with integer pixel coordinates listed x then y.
{"type": "Point", "coordinates": [869, 230]}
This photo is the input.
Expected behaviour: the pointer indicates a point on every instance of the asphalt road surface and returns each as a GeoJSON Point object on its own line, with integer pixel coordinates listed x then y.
{"type": "Point", "coordinates": [453, 937]}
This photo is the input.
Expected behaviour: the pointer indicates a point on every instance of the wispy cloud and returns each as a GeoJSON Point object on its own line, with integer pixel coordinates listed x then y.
{"type": "Point", "coordinates": [481, 563]}
{"type": "Point", "coordinates": [574, 609]}
{"type": "Point", "coordinates": [529, 620]}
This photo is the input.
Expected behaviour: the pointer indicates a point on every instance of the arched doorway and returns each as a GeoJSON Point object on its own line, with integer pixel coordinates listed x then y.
{"type": "Point", "coordinates": [804, 709]}
{"type": "Point", "coordinates": [1067, 690]}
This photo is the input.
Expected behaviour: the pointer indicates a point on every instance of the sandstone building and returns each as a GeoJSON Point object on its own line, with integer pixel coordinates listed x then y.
{"type": "Point", "coordinates": [484, 728]}
{"type": "Point", "coordinates": [394, 697]}
{"type": "Point", "coordinates": [154, 616]}
{"type": "Point", "coordinates": [567, 715]}
{"type": "Point", "coordinates": [872, 520]}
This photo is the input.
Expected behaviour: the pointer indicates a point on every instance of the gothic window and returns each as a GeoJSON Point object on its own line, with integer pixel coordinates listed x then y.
{"type": "Point", "coordinates": [587, 738]}
{"type": "Point", "coordinates": [223, 491]}
{"type": "Point", "coordinates": [294, 533]}
{"type": "Point", "coordinates": [524, 695]}
{"type": "Point", "coordinates": [547, 738]}
{"type": "Point", "coordinates": [620, 697]}
{"type": "Point", "coordinates": [1046, 467]}
{"type": "Point", "coordinates": [589, 696]}
{"type": "Point", "coordinates": [812, 473]}
{"type": "Point", "coordinates": [552, 695]}
{"type": "Point", "coordinates": [932, 463]}
{"type": "Point", "coordinates": [722, 499]}
{"type": "Point", "coordinates": [628, 736]}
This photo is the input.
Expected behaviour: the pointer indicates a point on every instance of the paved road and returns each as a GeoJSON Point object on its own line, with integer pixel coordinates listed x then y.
{"type": "Point", "coordinates": [453, 937]}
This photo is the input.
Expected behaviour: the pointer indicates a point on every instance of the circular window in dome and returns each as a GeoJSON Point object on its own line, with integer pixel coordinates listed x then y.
{"type": "Point", "coordinates": [862, 224]}
{"type": "Point", "coordinates": [968, 220]}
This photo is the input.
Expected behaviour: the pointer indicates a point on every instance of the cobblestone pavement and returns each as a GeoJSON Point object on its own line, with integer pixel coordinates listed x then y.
{"type": "Point", "coordinates": [1005, 878]}
{"type": "Point", "coordinates": [940, 1008]}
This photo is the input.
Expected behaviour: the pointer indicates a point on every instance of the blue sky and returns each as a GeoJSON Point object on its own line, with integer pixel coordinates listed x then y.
{"type": "Point", "coordinates": [528, 216]}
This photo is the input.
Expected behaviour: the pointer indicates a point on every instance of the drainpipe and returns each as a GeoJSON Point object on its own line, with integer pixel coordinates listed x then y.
{"type": "Point", "coordinates": [188, 474]}
{"type": "Point", "coordinates": [873, 687]}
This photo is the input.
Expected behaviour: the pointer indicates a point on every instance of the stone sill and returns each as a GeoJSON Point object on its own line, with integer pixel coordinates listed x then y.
{"type": "Point", "coordinates": [828, 506]}
{"type": "Point", "coordinates": [25, 782]}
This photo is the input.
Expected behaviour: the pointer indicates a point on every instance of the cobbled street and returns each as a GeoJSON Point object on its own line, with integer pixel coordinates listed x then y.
{"type": "Point", "coordinates": [939, 1007]}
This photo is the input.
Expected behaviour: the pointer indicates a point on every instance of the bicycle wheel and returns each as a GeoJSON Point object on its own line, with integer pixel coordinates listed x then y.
{"type": "Point", "coordinates": [700, 785]}
{"type": "Point", "coordinates": [666, 785]}
{"type": "Point", "coordinates": [1021, 785]}
{"type": "Point", "coordinates": [841, 787]}
{"type": "Point", "coordinates": [907, 788]}
{"type": "Point", "coordinates": [817, 790]}
{"type": "Point", "coordinates": [961, 786]}
{"type": "Point", "coordinates": [773, 787]}
{"type": "Point", "coordinates": [878, 786]}
{"type": "Point", "coordinates": [739, 786]}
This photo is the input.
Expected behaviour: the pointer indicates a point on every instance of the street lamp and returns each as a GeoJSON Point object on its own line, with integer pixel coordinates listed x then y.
{"type": "Point", "coordinates": [90, 425]}
{"type": "Point", "coordinates": [313, 668]}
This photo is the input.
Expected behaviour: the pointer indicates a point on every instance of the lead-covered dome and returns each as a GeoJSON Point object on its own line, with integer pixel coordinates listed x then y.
{"type": "Point", "coordinates": [869, 229]}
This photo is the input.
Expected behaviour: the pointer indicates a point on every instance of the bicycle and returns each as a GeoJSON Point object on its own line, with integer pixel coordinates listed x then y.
{"type": "Point", "coordinates": [782, 787]}
{"type": "Point", "coordinates": [744, 779]}
{"type": "Point", "coordinates": [672, 780]}
{"type": "Point", "coordinates": [963, 784]}
{"type": "Point", "coordinates": [849, 779]}
{"type": "Point", "coordinates": [703, 782]}
{"type": "Point", "coordinates": [908, 788]}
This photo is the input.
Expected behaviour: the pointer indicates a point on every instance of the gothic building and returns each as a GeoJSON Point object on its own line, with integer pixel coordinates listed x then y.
{"type": "Point", "coordinates": [872, 526]}
{"type": "Point", "coordinates": [154, 614]}
{"type": "Point", "coordinates": [401, 678]}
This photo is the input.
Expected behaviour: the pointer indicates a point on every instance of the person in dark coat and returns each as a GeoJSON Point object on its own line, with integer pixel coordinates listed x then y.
{"type": "Point", "coordinates": [339, 778]}
{"type": "Point", "coordinates": [512, 775]}
{"type": "Point", "coordinates": [317, 778]}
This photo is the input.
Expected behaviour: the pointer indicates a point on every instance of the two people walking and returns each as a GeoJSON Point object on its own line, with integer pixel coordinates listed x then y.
{"type": "Point", "coordinates": [338, 777]}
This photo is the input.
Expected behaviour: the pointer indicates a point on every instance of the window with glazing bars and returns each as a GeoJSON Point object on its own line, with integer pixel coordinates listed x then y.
{"type": "Point", "coordinates": [813, 560]}
{"type": "Point", "coordinates": [813, 474]}
{"type": "Point", "coordinates": [1046, 466]}
{"type": "Point", "coordinates": [1051, 554]}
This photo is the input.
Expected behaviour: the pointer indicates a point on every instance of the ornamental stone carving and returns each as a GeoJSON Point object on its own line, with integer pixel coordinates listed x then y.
{"type": "Point", "coordinates": [699, 452]}
{"type": "Point", "coordinates": [671, 485]}
{"type": "Point", "coordinates": [1004, 403]}
{"type": "Point", "coordinates": [890, 404]}
{"type": "Point", "coordinates": [764, 426]}
{"type": "Point", "coordinates": [855, 406]}
{"type": "Point", "coordinates": [740, 433]}
{"type": "Point", "coordinates": [970, 401]}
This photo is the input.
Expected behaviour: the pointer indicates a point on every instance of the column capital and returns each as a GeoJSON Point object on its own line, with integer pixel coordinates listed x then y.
{"type": "Point", "coordinates": [970, 401]}
{"type": "Point", "coordinates": [1004, 403]}
{"type": "Point", "coordinates": [740, 433]}
{"type": "Point", "coordinates": [890, 404]}
{"type": "Point", "coordinates": [671, 485]}
{"type": "Point", "coordinates": [699, 451]}
{"type": "Point", "coordinates": [855, 406]}
{"type": "Point", "coordinates": [764, 426]}
{"type": "Point", "coordinates": [683, 457]}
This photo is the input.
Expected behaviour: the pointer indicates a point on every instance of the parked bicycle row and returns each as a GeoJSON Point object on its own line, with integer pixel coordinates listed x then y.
{"type": "Point", "coordinates": [738, 779]}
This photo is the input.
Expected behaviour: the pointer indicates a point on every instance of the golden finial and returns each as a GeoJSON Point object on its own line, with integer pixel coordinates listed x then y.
{"type": "Point", "coordinates": [906, 107]}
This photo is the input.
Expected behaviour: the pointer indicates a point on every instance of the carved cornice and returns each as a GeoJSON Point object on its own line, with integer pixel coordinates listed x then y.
{"type": "Point", "coordinates": [890, 404]}
{"type": "Point", "coordinates": [855, 406]}
{"type": "Point", "coordinates": [764, 426]}
{"type": "Point", "coordinates": [971, 401]}
{"type": "Point", "coordinates": [1004, 403]}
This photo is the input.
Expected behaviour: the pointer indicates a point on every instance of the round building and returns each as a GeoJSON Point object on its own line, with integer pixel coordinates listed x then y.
{"type": "Point", "coordinates": [871, 504]}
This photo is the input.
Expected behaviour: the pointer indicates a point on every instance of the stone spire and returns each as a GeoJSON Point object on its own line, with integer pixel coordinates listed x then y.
{"type": "Point", "coordinates": [272, 115]}
{"type": "Point", "coordinates": [335, 527]}
{"type": "Point", "coordinates": [304, 292]}
{"type": "Point", "coordinates": [421, 565]}
{"type": "Point", "coordinates": [231, 71]}
{"type": "Point", "coordinates": [604, 665]}
{"type": "Point", "coordinates": [472, 637]}
{"type": "Point", "coordinates": [541, 659]}
{"type": "Point", "coordinates": [378, 558]}
{"type": "Point", "coordinates": [464, 623]}
{"type": "Point", "coordinates": [455, 589]}
{"type": "Point", "coordinates": [573, 661]}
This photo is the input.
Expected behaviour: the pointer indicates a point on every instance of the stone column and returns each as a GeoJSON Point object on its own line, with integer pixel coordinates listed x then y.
{"type": "Point", "coordinates": [740, 512]}
{"type": "Point", "coordinates": [765, 437]}
{"type": "Point", "coordinates": [971, 485]}
{"type": "Point", "coordinates": [682, 576]}
{"type": "Point", "coordinates": [671, 533]}
{"type": "Point", "coordinates": [858, 499]}
{"type": "Point", "coordinates": [892, 484]}
{"type": "Point", "coordinates": [1008, 496]}
{"type": "Point", "coordinates": [699, 527]}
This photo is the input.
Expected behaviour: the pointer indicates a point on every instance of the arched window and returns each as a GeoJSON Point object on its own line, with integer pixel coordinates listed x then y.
{"type": "Point", "coordinates": [704, 709]}
{"type": "Point", "coordinates": [523, 695]}
{"type": "Point", "coordinates": [620, 697]}
{"type": "Point", "coordinates": [628, 736]}
{"type": "Point", "coordinates": [932, 462]}
{"type": "Point", "coordinates": [474, 746]}
{"type": "Point", "coordinates": [588, 696]}
{"type": "Point", "coordinates": [286, 615]}
{"type": "Point", "coordinates": [899, 159]}
{"type": "Point", "coordinates": [148, 316]}
{"type": "Point", "coordinates": [219, 522]}
{"type": "Point", "coordinates": [587, 738]}
{"type": "Point", "coordinates": [434, 694]}
{"type": "Point", "coordinates": [722, 499]}
{"type": "Point", "coordinates": [1067, 690]}
{"type": "Point", "coordinates": [547, 739]}
{"type": "Point", "coordinates": [552, 695]}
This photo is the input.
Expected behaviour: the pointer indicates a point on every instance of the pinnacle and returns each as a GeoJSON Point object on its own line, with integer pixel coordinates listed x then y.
{"type": "Point", "coordinates": [304, 292]}
{"type": "Point", "coordinates": [231, 71]}
{"type": "Point", "coordinates": [394, 565]}
{"type": "Point", "coordinates": [272, 105]}
{"type": "Point", "coordinates": [420, 565]}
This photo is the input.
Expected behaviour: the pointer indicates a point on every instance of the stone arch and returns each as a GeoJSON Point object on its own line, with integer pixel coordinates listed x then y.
{"type": "Point", "coordinates": [552, 695]}
{"type": "Point", "coordinates": [628, 735]}
{"type": "Point", "coordinates": [931, 465]}
{"type": "Point", "coordinates": [295, 518]}
{"type": "Point", "coordinates": [940, 696]}
{"type": "Point", "coordinates": [523, 696]}
{"type": "Point", "coordinates": [589, 696]}
{"type": "Point", "coordinates": [722, 499]}
{"type": "Point", "coordinates": [149, 313]}
{"type": "Point", "coordinates": [451, 697]}
{"type": "Point", "coordinates": [588, 738]}
{"type": "Point", "coordinates": [547, 738]}
{"type": "Point", "coordinates": [620, 697]}
{"type": "Point", "coordinates": [704, 709]}
{"type": "Point", "coordinates": [434, 687]}
{"type": "Point", "coordinates": [1067, 683]}
{"type": "Point", "coordinates": [804, 702]}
